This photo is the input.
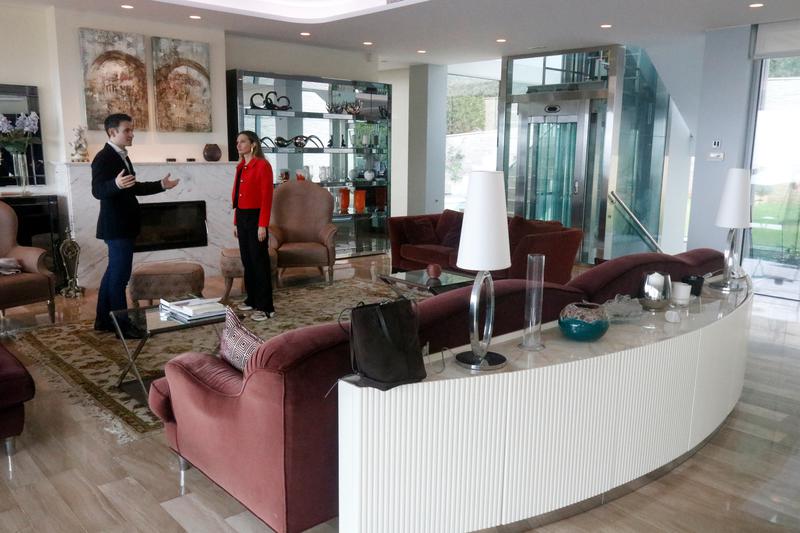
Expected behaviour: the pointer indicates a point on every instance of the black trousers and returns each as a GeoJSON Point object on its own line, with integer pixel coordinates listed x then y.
{"type": "Point", "coordinates": [255, 259]}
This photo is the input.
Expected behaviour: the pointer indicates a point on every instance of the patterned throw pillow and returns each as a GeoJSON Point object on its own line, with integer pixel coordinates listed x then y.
{"type": "Point", "coordinates": [238, 343]}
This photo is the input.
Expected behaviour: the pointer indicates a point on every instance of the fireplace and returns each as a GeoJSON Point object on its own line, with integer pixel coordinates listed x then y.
{"type": "Point", "coordinates": [171, 225]}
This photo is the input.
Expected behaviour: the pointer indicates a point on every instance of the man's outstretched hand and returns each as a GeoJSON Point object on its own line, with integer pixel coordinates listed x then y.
{"type": "Point", "coordinates": [124, 180]}
{"type": "Point", "coordinates": [168, 183]}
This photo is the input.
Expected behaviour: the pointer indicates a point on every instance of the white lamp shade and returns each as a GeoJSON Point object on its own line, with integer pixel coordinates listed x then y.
{"type": "Point", "coordinates": [484, 232]}
{"type": "Point", "coordinates": [734, 205]}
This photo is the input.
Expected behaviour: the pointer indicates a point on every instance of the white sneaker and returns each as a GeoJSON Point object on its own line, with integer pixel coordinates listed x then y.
{"type": "Point", "coordinates": [259, 316]}
{"type": "Point", "coordinates": [244, 307]}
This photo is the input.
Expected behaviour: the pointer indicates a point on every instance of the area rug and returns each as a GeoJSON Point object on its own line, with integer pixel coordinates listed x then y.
{"type": "Point", "coordinates": [92, 361]}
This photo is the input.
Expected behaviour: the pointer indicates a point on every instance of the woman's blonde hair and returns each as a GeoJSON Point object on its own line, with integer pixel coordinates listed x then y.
{"type": "Point", "coordinates": [253, 138]}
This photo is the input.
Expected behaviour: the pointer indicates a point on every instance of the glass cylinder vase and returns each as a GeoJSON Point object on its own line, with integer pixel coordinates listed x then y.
{"type": "Point", "coordinates": [534, 291]}
{"type": "Point", "coordinates": [20, 170]}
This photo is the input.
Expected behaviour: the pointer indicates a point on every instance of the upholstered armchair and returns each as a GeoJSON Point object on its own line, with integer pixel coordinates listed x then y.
{"type": "Point", "coordinates": [35, 283]}
{"type": "Point", "coordinates": [300, 230]}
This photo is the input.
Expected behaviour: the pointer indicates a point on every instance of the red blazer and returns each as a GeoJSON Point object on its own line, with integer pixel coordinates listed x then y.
{"type": "Point", "coordinates": [255, 188]}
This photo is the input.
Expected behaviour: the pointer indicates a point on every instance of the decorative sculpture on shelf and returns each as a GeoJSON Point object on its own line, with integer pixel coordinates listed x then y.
{"type": "Point", "coordinates": [269, 104]}
{"type": "Point", "coordinates": [70, 255]}
{"type": "Point", "coordinates": [353, 108]}
{"type": "Point", "coordinates": [80, 153]}
{"type": "Point", "coordinates": [299, 141]}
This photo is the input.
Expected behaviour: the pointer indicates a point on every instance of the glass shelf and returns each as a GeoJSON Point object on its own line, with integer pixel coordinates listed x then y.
{"type": "Point", "coordinates": [308, 114]}
{"type": "Point", "coordinates": [296, 150]}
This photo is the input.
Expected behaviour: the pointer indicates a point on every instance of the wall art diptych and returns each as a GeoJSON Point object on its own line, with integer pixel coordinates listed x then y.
{"type": "Point", "coordinates": [114, 76]}
{"type": "Point", "coordinates": [182, 85]}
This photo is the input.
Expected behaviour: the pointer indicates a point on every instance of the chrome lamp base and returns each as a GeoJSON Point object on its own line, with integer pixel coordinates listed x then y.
{"type": "Point", "coordinates": [733, 277]}
{"type": "Point", "coordinates": [479, 358]}
{"type": "Point", "coordinates": [490, 361]}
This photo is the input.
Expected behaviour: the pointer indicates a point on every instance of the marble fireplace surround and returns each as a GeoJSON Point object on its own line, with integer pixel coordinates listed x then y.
{"type": "Point", "coordinates": [211, 182]}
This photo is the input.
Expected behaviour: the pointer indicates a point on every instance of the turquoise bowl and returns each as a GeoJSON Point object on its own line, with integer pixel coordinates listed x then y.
{"type": "Point", "coordinates": [583, 321]}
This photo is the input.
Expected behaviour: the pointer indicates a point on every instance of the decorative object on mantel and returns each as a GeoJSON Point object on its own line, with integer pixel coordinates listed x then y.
{"type": "Point", "coordinates": [483, 247]}
{"type": "Point", "coordinates": [267, 103]}
{"type": "Point", "coordinates": [212, 152]}
{"type": "Point", "coordinates": [583, 321]}
{"type": "Point", "coordinates": [70, 256]}
{"type": "Point", "coordinates": [15, 139]}
{"type": "Point", "coordinates": [80, 153]}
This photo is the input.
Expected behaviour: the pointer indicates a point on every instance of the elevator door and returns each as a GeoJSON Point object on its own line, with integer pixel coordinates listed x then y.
{"type": "Point", "coordinates": [553, 156]}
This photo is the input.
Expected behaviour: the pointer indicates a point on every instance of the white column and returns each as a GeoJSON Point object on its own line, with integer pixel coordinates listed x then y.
{"type": "Point", "coordinates": [427, 127]}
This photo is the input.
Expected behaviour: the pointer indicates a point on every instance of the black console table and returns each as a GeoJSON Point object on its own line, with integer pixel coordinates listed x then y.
{"type": "Point", "coordinates": [38, 215]}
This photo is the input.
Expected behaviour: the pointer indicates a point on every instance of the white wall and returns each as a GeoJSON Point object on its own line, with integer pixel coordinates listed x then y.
{"type": "Point", "coordinates": [26, 44]}
{"type": "Point", "coordinates": [148, 145]}
{"type": "Point", "coordinates": [679, 62]}
{"type": "Point", "coordinates": [723, 116]}
{"type": "Point", "coordinates": [677, 174]}
{"type": "Point", "coordinates": [285, 58]}
{"type": "Point", "coordinates": [427, 129]}
{"type": "Point", "coordinates": [399, 149]}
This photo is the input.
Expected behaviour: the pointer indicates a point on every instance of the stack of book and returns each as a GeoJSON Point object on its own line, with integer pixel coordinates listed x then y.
{"type": "Point", "coordinates": [192, 309]}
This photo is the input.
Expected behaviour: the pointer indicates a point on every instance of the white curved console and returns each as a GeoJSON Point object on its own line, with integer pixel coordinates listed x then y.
{"type": "Point", "coordinates": [463, 451]}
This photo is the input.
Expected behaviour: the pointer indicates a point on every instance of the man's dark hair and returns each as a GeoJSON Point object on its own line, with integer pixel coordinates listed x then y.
{"type": "Point", "coordinates": [113, 121]}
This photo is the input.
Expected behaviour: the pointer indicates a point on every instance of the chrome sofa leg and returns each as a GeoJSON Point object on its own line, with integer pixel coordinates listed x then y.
{"type": "Point", "coordinates": [183, 466]}
{"type": "Point", "coordinates": [10, 446]}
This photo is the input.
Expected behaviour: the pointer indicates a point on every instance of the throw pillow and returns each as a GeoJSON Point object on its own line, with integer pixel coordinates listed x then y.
{"type": "Point", "coordinates": [238, 343]}
{"type": "Point", "coordinates": [9, 266]}
{"type": "Point", "coordinates": [420, 231]}
{"type": "Point", "coordinates": [449, 221]}
{"type": "Point", "coordinates": [452, 239]}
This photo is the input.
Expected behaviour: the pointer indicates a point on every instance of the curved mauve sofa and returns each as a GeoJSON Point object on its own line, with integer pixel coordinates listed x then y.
{"type": "Point", "coordinates": [268, 435]}
{"type": "Point", "coordinates": [16, 388]}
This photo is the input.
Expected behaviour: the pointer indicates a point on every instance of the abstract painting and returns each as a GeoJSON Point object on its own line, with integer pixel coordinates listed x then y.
{"type": "Point", "coordinates": [114, 76]}
{"type": "Point", "coordinates": [182, 85]}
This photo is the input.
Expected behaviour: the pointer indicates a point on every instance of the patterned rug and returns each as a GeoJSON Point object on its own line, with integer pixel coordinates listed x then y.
{"type": "Point", "coordinates": [92, 361]}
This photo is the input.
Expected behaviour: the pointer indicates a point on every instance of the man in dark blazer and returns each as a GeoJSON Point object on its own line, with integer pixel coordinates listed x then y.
{"type": "Point", "coordinates": [114, 184]}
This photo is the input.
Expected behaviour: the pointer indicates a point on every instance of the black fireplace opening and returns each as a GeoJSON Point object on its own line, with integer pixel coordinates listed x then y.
{"type": "Point", "coordinates": [171, 225]}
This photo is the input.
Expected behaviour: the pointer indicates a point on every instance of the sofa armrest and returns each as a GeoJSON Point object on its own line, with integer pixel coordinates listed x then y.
{"type": "Point", "coordinates": [31, 259]}
{"type": "Point", "coordinates": [327, 236]}
{"type": "Point", "coordinates": [214, 376]}
{"type": "Point", "coordinates": [276, 237]}
{"type": "Point", "coordinates": [160, 401]}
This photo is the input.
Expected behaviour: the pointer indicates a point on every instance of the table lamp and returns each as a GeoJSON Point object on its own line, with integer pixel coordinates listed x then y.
{"type": "Point", "coordinates": [733, 213]}
{"type": "Point", "coordinates": [483, 247]}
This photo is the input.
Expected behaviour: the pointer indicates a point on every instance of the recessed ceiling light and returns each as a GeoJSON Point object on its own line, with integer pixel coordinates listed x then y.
{"type": "Point", "coordinates": [195, 17]}
{"type": "Point", "coordinates": [501, 40]}
{"type": "Point", "coordinates": [422, 51]}
{"type": "Point", "coordinates": [605, 26]}
{"type": "Point", "coordinates": [126, 6]}
{"type": "Point", "coordinates": [305, 34]}
{"type": "Point", "coordinates": [367, 43]}
{"type": "Point", "coordinates": [756, 5]}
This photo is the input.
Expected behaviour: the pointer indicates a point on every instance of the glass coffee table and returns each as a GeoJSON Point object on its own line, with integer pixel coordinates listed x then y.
{"type": "Point", "coordinates": [419, 279]}
{"type": "Point", "coordinates": [150, 321]}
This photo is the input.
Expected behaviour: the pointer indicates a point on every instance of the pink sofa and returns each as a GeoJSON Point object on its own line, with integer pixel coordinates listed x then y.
{"type": "Point", "coordinates": [417, 241]}
{"type": "Point", "coordinates": [268, 435]}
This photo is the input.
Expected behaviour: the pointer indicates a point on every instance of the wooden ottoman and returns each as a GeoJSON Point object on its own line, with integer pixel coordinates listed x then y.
{"type": "Point", "coordinates": [152, 281]}
{"type": "Point", "coordinates": [230, 264]}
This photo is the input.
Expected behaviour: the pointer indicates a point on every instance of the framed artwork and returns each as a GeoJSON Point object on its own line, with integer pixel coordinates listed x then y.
{"type": "Point", "coordinates": [182, 85]}
{"type": "Point", "coordinates": [114, 76]}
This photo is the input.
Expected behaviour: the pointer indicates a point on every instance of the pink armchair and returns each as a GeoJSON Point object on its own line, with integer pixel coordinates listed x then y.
{"type": "Point", "coordinates": [300, 230]}
{"type": "Point", "coordinates": [35, 283]}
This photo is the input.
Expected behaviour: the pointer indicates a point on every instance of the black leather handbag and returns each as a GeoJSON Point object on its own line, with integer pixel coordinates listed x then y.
{"type": "Point", "coordinates": [384, 344]}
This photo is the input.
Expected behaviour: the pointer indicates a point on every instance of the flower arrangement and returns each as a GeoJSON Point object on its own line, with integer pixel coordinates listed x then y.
{"type": "Point", "coordinates": [16, 138]}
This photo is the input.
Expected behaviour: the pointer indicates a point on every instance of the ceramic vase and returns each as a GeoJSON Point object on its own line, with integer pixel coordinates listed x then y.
{"type": "Point", "coordinates": [583, 321]}
{"type": "Point", "coordinates": [212, 152]}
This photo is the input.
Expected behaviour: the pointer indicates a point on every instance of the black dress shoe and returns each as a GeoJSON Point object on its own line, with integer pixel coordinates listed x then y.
{"type": "Point", "coordinates": [98, 326]}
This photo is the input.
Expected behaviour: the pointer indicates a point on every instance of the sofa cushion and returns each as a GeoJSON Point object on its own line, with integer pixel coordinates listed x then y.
{"type": "Point", "coordinates": [429, 253]}
{"type": "Point", "coordinates": [302, 253]}
{"type": "Point", "coordinates": [238, 343]}
{"type": "Point", "coordinates": [16, 384]}
{"type": "Point", "coordinates": [449, 227]}
{"type": "Point", "coordinates": [420, 231]}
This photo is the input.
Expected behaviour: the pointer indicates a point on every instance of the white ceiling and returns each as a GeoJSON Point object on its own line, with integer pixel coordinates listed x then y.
{"type": "Point", "coordinates": [458, 31]}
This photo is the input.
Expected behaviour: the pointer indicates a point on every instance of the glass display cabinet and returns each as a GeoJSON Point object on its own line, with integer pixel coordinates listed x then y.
{"type": "Point", "coordinates": [333, 132]}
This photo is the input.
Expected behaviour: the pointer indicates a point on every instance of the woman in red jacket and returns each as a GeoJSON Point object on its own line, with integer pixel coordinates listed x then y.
{"type": "Point", "coordinates": [252, 203]}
